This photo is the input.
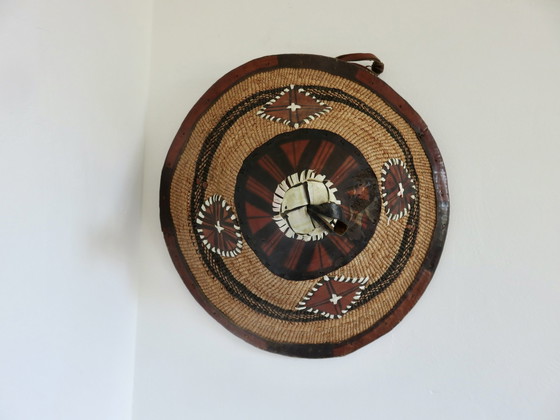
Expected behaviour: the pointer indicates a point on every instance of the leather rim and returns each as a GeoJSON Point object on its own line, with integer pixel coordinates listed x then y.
{"type": "Point", "coordinates": [369, 80]}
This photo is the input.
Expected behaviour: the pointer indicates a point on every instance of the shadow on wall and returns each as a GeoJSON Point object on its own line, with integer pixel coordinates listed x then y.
{"type": "Point", "coordinates": [114, 239]}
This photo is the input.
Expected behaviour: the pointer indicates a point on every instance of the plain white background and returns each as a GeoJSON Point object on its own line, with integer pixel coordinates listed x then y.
{"type": "Point", "coordinates": [73, 92]}
{"type": "Point", "coordinates": [96, 323]}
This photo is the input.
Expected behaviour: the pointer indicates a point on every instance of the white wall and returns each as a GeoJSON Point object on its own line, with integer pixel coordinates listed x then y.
{"type": "Point", "coordinates": [73, 91]}
{"type": "Point", "coordinates": [484, 341]}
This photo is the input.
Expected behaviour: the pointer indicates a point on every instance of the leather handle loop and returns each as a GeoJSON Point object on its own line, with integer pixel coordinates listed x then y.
{"type": "Point", "coordinates": [376, 66]}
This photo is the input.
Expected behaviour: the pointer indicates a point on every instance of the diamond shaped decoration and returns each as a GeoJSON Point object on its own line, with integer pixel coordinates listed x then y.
{"type": "Point", "coordinates": [333, 296]}
{"type": "Point", "coordinates": [293, 107]}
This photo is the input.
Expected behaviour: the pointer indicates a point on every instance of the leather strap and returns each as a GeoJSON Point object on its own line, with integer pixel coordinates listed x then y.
{"type": "Point", "coordinates": [376, 66]}
{"type": "Point", "coordinates": [320, 213]}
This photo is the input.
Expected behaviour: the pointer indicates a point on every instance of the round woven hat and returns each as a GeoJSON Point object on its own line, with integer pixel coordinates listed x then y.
{"type": "Point", "coordinates": [304, 204]}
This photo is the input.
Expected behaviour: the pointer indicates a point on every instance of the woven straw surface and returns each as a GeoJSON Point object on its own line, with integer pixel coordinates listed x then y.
{"type": "Point", "coordinates": [249, 132]}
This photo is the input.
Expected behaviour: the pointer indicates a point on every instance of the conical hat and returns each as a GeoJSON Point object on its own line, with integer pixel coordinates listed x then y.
{"type": "Point", "coordinates": [304, 204]}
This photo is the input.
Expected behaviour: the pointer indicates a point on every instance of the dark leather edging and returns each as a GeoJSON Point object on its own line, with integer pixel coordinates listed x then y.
{"type": "Point", "coordinates": [360, 75]}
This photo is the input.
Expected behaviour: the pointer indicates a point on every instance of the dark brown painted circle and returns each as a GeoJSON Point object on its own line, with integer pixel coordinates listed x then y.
{"type": "Point", "coordinates": [294, 152]}
{"type": "Point", "coordinates": [367, 79]}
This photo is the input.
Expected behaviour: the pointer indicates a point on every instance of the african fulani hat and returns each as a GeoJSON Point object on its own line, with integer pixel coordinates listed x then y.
{"type": "Point", "coordinates": [304, 204]}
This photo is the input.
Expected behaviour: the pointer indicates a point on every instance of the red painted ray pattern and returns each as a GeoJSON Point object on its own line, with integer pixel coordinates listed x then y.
{"type": "Point", "coordinates": [319, 259]}
{"type": "Point", "coordinates": [294, 255]}
{"type": "Point", "coordinates": [256, 217]}
{"type": "Point", "coordinates": [398, 189]}
{"type": "Point", "coordinates": [333, 297]}
{"type": "Point", "coordinates": [269, 165]}
{"type": "Point", "coordinates": [364, 220]}
{"type": "Point", "coordinates": [348, 166]}
{"type": "Point", "coordinates": [294, 151]}
{"type": "Point", "coordinates": [271, 245]}
{"type": "Point", "coordinates": [217, 227]}
{"type": "Point", "coordinates": [342, 243]}
{"type": "Point", "coordinates": [321, 157]}
{"type": "Point", "coordinates": [259, 189]}
{"type": "Point", "coordinates": [293, 107]}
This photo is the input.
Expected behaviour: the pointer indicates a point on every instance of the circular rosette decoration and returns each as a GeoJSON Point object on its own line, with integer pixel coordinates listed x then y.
{"type": "Point", "coordinates": [399, 191]}
{"type": "Point", "coordinates": [217, 228]}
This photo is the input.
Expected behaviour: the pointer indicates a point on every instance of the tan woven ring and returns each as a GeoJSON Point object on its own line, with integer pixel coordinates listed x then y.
{"type": "Point", "coordinates": [235, 287]}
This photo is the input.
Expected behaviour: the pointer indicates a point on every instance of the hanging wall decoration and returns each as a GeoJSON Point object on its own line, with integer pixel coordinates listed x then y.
{"type": "Point", "coordinates": [304, 203]}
